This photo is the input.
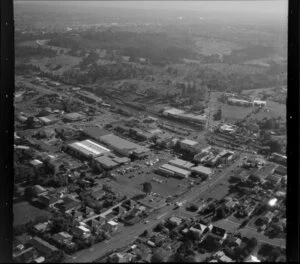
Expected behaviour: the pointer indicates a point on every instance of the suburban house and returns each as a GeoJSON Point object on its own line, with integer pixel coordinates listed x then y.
{"type": "Point", "coordinates": [111, 226]}
{"type": "Point", "coordinates": [198, 229]}
{"type": "Point", "coordinates": [41, 227]}
{"type": "Point", "coordinates": [62, 238]}
{"type": "Point", "coordinates": [68, 205]}
{"type": "Point", "coordinates": [42, 246]}
{"type": "Point", "coordinates": [81, 232]}
{"type": "Point", "coordinates": [219, 233]}
{"type": "Point", "coordinates": [48, 200]}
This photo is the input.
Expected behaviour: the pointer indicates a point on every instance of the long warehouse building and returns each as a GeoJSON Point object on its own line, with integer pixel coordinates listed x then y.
{"type": "Point", "coordinates": [87, 148]}
{"type": "Point", "coordinates": [169, 170]}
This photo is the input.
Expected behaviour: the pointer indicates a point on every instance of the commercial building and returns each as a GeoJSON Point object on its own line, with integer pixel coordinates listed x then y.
{"type": "Point", "coordinates": [87, 148]}
{"type": "Point", "coordinates": [278, 158]}
{"type": "Point", "coordinates": [72, 117]}
{"type": "Point", "coordinates": [124, 147]}
{"type": "Point", "coordinates": [95, 132]}
{"type": "Point", "coordinates": [259, 103]}
{"type": "Point", "coordinates": [181, 164]}
{"type": "Point", "coordinates": [169, 170]}
{"type": "Point", "coordinates": [106, 162]}
{"type": "Point", "coordinates": [202, 171]}
{"type": "Point", "coordinates": [189, 145]}
{"type": "Point", "coordinates": [181, 114]}
{"type": "Point", "coordinates": [240, 102]}
{"type": "Point", "coordinates": [47, 120]}
{"type": "Point", "coordinates": [88, 97]}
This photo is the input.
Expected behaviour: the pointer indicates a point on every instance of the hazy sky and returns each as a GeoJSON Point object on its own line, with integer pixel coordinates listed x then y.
{"type": "Point", "coordinates": [271, 7]}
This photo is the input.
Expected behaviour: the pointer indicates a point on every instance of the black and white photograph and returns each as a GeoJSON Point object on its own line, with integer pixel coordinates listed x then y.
{"type": "Point", "coordinates": [150, 131]}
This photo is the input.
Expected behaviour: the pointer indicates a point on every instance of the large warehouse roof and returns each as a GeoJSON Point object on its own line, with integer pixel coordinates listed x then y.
{"type": "Point", "coordinates": [120, 143]}
{"type": "Point", "coordinates": [202, 170]}
{"type": "Point", "coordinates": [88, 147]}
{"type": "Point", "coordinates": [181, 163]}
{"type": "Point", "coordinates": [106, 162]}
{"type": "Point", "coordinates": [175, 169]}
{"type": "Point", "coordinates": [95, 132]}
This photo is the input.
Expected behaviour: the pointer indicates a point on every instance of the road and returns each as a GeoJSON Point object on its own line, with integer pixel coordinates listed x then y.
{"type": "Point", "coordinates": [129, 234]}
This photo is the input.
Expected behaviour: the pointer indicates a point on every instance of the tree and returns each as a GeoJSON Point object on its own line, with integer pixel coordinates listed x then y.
{"type": "Point", "coordinates": [157, 258]}
{"type": "Point", "coordinates": [30, 193]}
{"type": "Point", "coordinates": [147, 187]}
{"type": "Point", "coordinates": [252, 243]}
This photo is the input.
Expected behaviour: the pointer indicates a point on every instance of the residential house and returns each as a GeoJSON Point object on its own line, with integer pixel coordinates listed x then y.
{"type": "Point", "coordinates": [221, 256]}
{"type": "Point", "coordinates": [268, 217]}
{"type": "Point", "coordinates": [120, 257]}
{"type": "Point", "coordinates": [25, 256]}
{"type": "Point", "coordinates": [81, 232]}
{"type": "Point", "coordinates": [40, 259]}
{"type": "Point", "coordinates": [111, 226]}
{"type": "Point", "coordinates": [42, 246]}
{"type": "Point", "coordinates": [273, 179]}
{"type": "Point", "coordinates": [281, 170]}
{"type": "Point", "coordinates": [175, 220]}
{"type": "Point", "coordinates": [40, 190]}
{"type": "Point", "coordinates": [68, 205]}
{"type": "Point", "coordinates": [198, 229]}
{"type": "Point", "coordinates": [98, 194]}
{"type": "Point", "coordinates": [62, 238]}
{"type": "Point", "coordinates": [219, 233]}
{"type": "Point", "coordinates": [48, 200]}
{"type": "Point", "coordinates": [41, 227]}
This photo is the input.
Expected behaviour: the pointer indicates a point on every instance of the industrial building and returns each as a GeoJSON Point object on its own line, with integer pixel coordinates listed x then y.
{"type": "Point", "coordinates": [88, 97]}
{"type": "Point", "coordinates": [87, 148]}
{"type": "Point", "coordinates": [202, 171]}
{"type": "Point", "coordinates": [169, 170]}
{"type": "Point", "coordinates": [189, 145]}
{"type": "Point", "coordinates": [240, 102]}
{"type": "Point", "coordinates": [72, 117]}
{"type": "Point", "coordinates": [259, 103]}
{"type": "Point", "coordinates": [95, 132]}
{"type": "Point", "coordinates": [106, 162]}
{"type": "Point", "coordinates": [181, 114]}
{"type": "Point", "coordinates": [181, 164]}
{"type": "Point", "coordinates": [124, 147]}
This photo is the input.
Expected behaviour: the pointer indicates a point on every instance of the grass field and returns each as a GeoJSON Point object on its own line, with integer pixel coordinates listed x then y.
{"type": "Point", "coordinates": [66, 62]}
{"type": "Point", "coordinates": [24, 212]}
{"type": "Point", "coordinates": [234, 113]}
{"type": "Point", "coordinates": [210, 46]}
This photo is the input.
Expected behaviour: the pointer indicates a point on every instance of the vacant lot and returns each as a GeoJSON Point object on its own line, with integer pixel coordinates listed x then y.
{"type": "Point", "coordinates": [24, 212]}
{"type": "Point", "coordinates": [65, 61]}
{"type": "Point", "coordinates": [234, 113]}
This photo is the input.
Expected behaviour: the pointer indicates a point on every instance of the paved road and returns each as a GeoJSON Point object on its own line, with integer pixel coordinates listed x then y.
{"type": "Point", "coordinates": [129, 234]}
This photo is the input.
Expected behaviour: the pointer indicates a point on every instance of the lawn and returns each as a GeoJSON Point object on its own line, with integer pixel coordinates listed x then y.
{"type": "Point", "coordinates": [24, 212]}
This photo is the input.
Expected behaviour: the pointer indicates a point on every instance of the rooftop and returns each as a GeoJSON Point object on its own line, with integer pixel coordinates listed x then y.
{"type": "Point", "coordinates": [88, 147]}
{"type": "Point", "coordinates": [201, 169]}
{"type": "Point", "coordinates": [106, 161]}
{"type": "Point", "coordinates": [172, 168]}
{"type": "Point", "coordinates": [95, 132]}
{"type": "Point", "coordinates": [189, 142]}
{"type": "Point", "coordinates": [181, 163]}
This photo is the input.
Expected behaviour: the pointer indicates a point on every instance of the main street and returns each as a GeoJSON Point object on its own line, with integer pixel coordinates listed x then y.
{"type": "Point", "coordinates": [129, 234]}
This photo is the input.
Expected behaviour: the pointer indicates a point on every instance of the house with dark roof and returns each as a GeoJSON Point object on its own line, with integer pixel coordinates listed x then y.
{"type": "Point", "coordinates": [42, 246]}
{"type": "Point", "coordinates": [281, 170]}
{"type": "Point", "coordinates": [68, 205]}
{"type": "Point", "coordinates": [98, 194]}
{"type": "Point", "coordinates": [218, 233]}
{"type": "Point", "coordinates": [48, 200]}
{"type": "Point", "coordinates": [62, 238]}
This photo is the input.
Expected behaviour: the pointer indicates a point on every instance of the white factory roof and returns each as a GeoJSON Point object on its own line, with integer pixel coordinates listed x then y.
{"type": "Point", "coordinates": [181, 163]}
{"type": "Point", "coordinates": [189, 142]}
{"type": "Point", "coordinates": [169, 167]}
{"type": "Point", "coordinates": [45, 119]}
{"type": "Point", "coordinates": [88, 147]}
{"type": "Point", "coordinates": [238, 100]}
{"type": "Point", "coordinates": [202, 169]}
{"type": "Point", "coordinates": [112, 223]}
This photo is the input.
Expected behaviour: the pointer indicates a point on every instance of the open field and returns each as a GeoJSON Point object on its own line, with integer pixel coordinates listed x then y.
{"type": "Point", "coordinates": [24, 212]}
{"type": "Point", "coordinates": [65, 61]}
{"type": "Point", "coordinates": [209, 46]}
{"type": "Point", "coordinates": [234, 113]}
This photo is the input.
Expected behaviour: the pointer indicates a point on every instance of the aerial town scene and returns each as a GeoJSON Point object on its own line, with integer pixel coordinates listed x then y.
{"type": "Point", "coordinates": [150, 131]}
